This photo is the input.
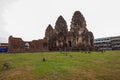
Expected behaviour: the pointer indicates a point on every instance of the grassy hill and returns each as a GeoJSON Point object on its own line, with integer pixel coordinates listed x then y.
{"type": "Point", "coordinates": [61, 66]}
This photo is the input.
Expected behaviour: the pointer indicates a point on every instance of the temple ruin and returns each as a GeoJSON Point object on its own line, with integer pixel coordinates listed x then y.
{"type": "Point", "coordinates": [79, 38]}
{"type": "Point", "coordinates": [18, 45]}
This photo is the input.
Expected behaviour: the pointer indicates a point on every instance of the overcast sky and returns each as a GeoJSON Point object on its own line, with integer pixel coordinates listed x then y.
{"type": "Point", "coordinates": [28, 19]}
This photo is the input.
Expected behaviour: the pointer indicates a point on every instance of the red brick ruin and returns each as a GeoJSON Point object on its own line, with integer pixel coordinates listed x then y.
{"type": "Point", "coordinates": [18, 45]}
{"type": "Point", "coordinates": [58, 39]}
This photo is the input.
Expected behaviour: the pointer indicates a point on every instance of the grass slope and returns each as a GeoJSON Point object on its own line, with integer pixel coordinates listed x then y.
{"type": "Point", "coordinates": [59, 66]}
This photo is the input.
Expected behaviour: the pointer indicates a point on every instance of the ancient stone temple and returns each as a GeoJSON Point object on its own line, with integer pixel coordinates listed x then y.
{"type": "Point", "coordinates": [77, 39]}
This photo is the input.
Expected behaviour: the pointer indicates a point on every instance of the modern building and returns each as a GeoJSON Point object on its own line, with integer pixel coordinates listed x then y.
{"type": "Point", "coordinates": [3, 47]}
{"type": "Point", "coordinates": [108, 43]}
{"type": "Point", "coordinates": [115, 42]}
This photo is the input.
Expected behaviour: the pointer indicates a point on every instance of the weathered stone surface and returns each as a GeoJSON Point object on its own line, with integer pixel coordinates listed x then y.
{"type": "Point", "coordinates": [60, 31]}
{"type": "Point", "coordinates": [61, 25]}
{"type": "Point", "coordinates": [78, 38]}
{"type": "Point", "coordinates": [82, 38]}
{"type": "Point", "coordinates": [57, 38]}
{"type": "Point", "coordinates": [48, 32]}
{"type": "Point", "coordinates": [78, 20]}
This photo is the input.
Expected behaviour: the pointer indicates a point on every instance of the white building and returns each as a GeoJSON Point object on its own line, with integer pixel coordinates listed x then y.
{"type": "Point", "coordinates": [108, 43]}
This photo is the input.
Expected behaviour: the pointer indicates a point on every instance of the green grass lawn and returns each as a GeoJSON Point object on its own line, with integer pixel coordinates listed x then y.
{"type": "Point", "coordinates": [59, 66]}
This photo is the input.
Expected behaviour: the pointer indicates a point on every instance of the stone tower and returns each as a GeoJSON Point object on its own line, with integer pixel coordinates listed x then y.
{"type": "Point", "coordinates": [81, 38]}
{"type": "Point", "coordinates": [48, 32]}
{"type": "Point", "coordinates": [61, 31]}
{"type": "Point", "coordinates": [61, 25]}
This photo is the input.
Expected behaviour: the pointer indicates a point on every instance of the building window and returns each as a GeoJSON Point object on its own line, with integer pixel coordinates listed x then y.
{"type": "Point", "coordinates": [27, 45]}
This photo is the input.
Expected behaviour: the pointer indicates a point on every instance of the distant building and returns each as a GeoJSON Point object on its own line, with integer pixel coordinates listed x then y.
{"type": "Point", "coordinates": [108, 43]}
{"type": "Point", "coordinates": [4, 44]}
{"type": "Point", "coordinates": [115, 42]}
{"type": "Point", "coordinates": [3, 47]}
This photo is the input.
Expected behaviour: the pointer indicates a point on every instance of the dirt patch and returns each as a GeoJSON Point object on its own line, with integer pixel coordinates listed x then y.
{"type": "Point", "coordinates": [99, 61]}
{"type": "Point", "coordinates": [22, 73]}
